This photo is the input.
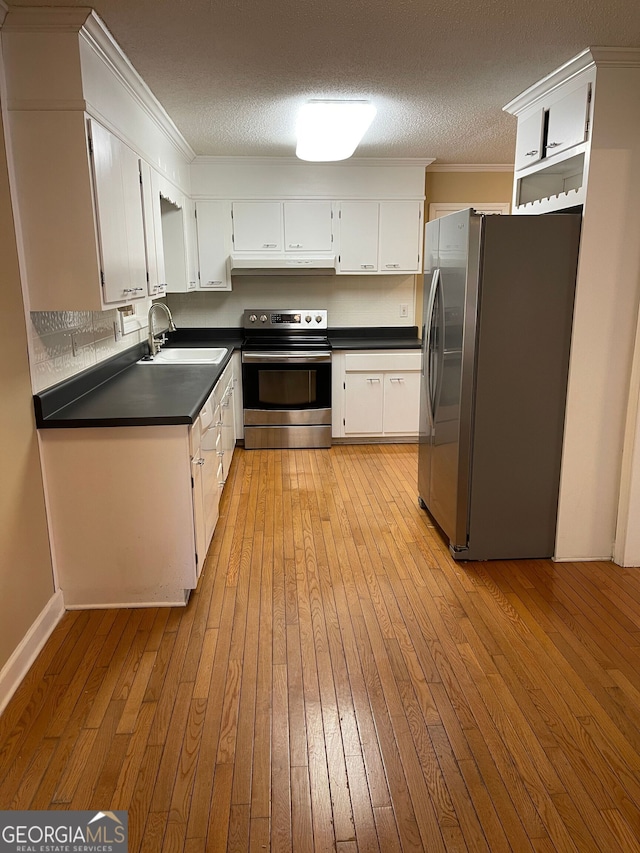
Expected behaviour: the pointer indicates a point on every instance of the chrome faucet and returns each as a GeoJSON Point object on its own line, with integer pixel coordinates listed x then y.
{"type": "Point", "coordinates": [156, 340]}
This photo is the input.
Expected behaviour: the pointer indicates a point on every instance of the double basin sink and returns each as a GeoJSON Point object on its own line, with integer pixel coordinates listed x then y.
{"type": "Point", "coordinates": [187, 355]}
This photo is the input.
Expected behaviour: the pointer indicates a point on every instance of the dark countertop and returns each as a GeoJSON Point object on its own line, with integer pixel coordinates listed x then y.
{"type": "Point", "coordinates": [119, 392]}
{"type": "Point", "coordinates": [381, 337]}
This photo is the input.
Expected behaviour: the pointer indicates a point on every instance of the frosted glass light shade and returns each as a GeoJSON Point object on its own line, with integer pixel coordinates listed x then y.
{"type": "Point", "coordinates": [331, 130]}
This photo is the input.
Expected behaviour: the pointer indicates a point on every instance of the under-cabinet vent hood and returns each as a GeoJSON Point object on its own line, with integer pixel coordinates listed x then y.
{"type": "Point", "coordinates": [280, 265]}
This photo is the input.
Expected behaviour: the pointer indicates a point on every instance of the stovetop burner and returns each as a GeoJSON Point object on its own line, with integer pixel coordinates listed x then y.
{"type": "Point", "coordinates": [285, 329]}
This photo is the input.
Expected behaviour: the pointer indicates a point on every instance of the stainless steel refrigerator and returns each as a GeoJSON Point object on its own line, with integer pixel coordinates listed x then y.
{"type": "Point", "coordinates": [498, 310]}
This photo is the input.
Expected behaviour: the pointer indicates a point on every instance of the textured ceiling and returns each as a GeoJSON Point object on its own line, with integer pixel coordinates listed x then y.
{"type": "Point", "coordinates": [232, 73]}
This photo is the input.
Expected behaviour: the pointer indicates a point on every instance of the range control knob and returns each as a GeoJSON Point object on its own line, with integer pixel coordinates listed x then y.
{"type": "Point", "coordinates": [307, 319]}
{"type": "Point", "coordinates": [252, 318]}
{"type": "Point", "coordinates": [263, 318]}
{"type": "Point", "coordinates": [318, 318]}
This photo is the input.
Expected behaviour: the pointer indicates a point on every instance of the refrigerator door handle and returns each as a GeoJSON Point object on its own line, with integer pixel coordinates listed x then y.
{"type": "Point", "coordinates": [426, 361]}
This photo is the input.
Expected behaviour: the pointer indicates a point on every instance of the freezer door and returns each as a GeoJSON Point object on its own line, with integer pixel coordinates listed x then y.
{"type": "Point", "coordinates": [451, 373]}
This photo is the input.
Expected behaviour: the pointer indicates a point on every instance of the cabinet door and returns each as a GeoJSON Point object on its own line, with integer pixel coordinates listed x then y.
{"type": "Point", "coordinates": [119, 215]}
{"type": "Point", "coordinates": [214, 241]}
{"type": "Point", "coordinates": [257, 226]}
{"type": "Point", "coordinates": [363, 403]}
{"type": "Point", "coordinates": [400, 236]}
{"type": "Point", "coordinates": [191, 242]}
{"type": "Point", "coordinates": [529, 140]}
{"type": "Point", "coordinates": [307, 226]}
{"type": "Point", "coordinates": [175, 246]}
{"type": "Point", "coordinates": [156, 285]}
{"type": "Point", "coordinates": [568, 121]}
{"type": "Point", "coordinates": [198, 507]}
{"type": "Point", "coordinates": [358, 236]}
{"type": "Point", "coordinates": [401, 402]}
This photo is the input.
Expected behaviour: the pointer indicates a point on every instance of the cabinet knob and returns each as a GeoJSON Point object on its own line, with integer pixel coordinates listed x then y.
{"type": "Point", "coordinates": [531, 153]}
{"type": "Point", "coordinates": [199, 461]}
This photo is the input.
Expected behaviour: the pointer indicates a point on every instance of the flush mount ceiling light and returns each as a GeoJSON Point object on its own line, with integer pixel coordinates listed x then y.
{"type": "Point", "coordinates": [331, 130]}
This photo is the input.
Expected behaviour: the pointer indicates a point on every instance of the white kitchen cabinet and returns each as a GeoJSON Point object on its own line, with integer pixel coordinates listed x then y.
{"type": "Point", "coordinates": [134, 509]}
{"type": "Point", "coordinates": [568, 120]}
{"type": "Point", "coordinates": [529, 143]}
{"type": "Point", "coordinates": [213, 220]}
{"type": "Point", "coordinates": [380, 237]}
{"type": "Point", "coordinates": [119, 216]}
{"type": "Point", "coordinates": [364, 400]}
{"type": "Point", "coordinates": [257, 226]}
{"type": "Point", "coordinates": [156, 284]}
{"type": "Point", "coordinates": [381, 393]}
{"type": "Point", "coordinates": [80, 213]}
{"type": "Point", "coordinates": [358, 236]}
{"type": "Point", "coordinates": [174, 213]}
{"type": "Point", "coordinates": [400, 236]}
{"type": "Point", "coordinates": [308, 226]}
{"type": "Point", "coordinates": [191, 241]}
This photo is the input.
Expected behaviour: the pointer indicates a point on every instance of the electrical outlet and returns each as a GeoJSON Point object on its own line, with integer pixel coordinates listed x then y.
{"type": "Point", "coordinates": [404, 309]}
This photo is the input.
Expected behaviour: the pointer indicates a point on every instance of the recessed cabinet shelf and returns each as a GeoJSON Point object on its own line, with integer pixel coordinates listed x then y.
{"type": "Point", "coordinates": [563, 182]}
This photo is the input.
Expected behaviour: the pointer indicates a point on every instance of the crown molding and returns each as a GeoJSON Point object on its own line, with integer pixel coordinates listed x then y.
{"type": "Point", "coordinates": [470, 167]}
{"type": "Point", "coordinates": [209, 160]}
{"type": "Point", "coordinates": [591, 57]}
{"type": "Point", "coordinates": [98, 37]}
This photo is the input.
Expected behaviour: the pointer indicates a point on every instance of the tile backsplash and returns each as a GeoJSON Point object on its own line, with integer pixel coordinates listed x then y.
{"type": "Point", "coordinates": [64, 343]}
{"type": "Point", "coordinates": [349, 300]}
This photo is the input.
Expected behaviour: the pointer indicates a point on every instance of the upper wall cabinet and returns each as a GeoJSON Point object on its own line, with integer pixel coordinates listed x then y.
{"type": "Point", "coordinates": [214, 244]}
{"type": "Point", "coordinates": [276, 227]}
{"type": "Point", "coordinates": [380, 237]}
{"type": "Point", "coordinates": [308, 226]}
{"type": "Point", "coordinates": [80, 120]}
{"type": "Point", "coordinates": [257, 226]}
{"type": "Point", "coordinates": [156, 279]}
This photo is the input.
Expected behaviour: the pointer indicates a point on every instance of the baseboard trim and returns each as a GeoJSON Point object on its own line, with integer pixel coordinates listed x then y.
{"type": "Point", "coordinates": [15, 669]}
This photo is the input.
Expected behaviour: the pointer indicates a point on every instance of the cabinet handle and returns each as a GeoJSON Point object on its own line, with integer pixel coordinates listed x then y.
{"type": "Point", "coordinates": [366, 266]}
{"type": "Point", "coordinates": [268, 245]}
{"type": "Point", "coordinates": [214, 283]}
{"type": "Point", "coordinates": [132, 289]}
{"type": "Point", "coordinates": [392, 266]}
{"type": "Point", "coordinates": [200, 461]}
{"type": "Point", "coordinates": [396, 378]}
{"type": "Point", "coordinates": [553, 144]}
{"type": "Point", "coordinates": [374, 379]}
{"type": "Point", "coordinates": [295, 245]}
{"type": "Point", "coordinates": [531, 153]}
{"type": "Point", "coordinates": [221, 453]}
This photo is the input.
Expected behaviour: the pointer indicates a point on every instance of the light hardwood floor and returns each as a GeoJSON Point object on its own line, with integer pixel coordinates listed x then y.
{"type": "Point", "coordinates": [337, 682]}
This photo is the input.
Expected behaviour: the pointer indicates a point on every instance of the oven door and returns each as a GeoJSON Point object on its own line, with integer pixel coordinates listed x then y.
{"type": "Point", "coordinates": [281, 387]}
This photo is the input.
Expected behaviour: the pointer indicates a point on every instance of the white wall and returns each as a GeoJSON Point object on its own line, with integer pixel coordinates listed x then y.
{"type": "Point", "coordinates": [349, 300]}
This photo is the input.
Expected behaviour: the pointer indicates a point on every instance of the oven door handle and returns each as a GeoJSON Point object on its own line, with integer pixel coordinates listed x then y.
{"type": "Point", "coordinates": [300, 358]}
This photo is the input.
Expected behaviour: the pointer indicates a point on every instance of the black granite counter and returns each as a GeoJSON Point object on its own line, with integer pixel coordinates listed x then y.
{"type": "Point", "coordinates": [119, 392]}
{"type": "Point", "coordinates": [377, 337]}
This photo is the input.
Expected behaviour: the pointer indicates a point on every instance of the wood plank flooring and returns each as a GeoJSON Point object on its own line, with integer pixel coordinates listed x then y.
{"type": "Point", "coordinates": [338, 683]}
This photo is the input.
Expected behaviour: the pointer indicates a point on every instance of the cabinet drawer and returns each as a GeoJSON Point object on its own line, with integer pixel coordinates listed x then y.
{"type": "Point", "coordinates": [409, 360]}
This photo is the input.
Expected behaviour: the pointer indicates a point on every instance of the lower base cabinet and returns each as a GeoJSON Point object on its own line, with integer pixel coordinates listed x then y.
{"type": "Point", "coordinates": [380, 394]}
{"type": "Point", "coordinates": [132, 509]}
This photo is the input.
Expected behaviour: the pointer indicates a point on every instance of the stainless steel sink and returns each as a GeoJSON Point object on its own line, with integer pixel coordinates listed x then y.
{"type": "Point", "coordinates": [187, 355]}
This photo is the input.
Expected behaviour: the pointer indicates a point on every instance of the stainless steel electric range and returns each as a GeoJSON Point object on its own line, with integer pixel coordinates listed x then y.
{"type": "Point", "coordinates": [286, 378]}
